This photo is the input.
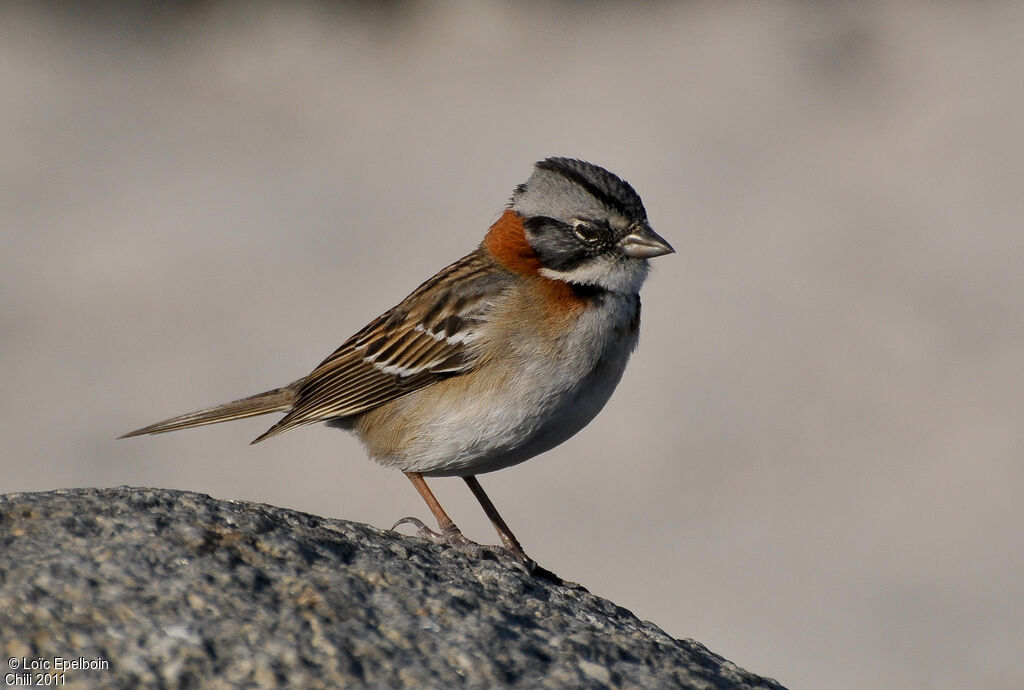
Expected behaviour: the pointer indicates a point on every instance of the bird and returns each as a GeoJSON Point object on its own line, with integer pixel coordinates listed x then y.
{"type": "Point", "coordinates": [499, 357]}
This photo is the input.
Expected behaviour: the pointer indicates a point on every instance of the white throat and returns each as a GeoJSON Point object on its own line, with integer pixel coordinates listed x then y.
{"type": "Point", "coordinates": [613, 275]}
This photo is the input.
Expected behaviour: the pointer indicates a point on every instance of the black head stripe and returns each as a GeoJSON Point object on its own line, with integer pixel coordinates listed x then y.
{"type": "Point", "coordinates": [555, 244]}
{"type": "Point", "coordinates": [606, 187]}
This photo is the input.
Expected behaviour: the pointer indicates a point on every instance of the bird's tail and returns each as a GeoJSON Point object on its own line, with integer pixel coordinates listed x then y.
{"type": "Point", "coordinates": [277, 400]}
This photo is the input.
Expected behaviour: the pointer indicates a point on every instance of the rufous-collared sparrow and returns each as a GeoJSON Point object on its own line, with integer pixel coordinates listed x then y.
{"type": "Point", "coordinates": [501, 356]}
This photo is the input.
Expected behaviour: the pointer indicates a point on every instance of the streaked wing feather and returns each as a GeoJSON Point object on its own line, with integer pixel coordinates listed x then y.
{"type": "Point", "coordinates": [429, 336]}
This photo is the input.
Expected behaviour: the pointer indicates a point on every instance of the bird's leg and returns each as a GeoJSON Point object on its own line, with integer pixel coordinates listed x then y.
{"type": "Point", "coordinates": [509, 540]}
{"type": "Point", "coordinates": [450, 534]}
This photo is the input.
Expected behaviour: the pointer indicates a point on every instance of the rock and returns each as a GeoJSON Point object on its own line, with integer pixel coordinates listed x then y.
{"type": "Point", "coordinates": [159, 588]}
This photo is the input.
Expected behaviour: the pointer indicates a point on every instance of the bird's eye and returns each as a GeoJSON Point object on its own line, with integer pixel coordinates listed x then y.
{"type": "Point", "coordinates": [585, 231]}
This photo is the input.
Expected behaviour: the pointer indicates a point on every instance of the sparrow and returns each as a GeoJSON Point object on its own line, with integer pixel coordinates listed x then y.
{"type": "Point", "coordinates": [501, 356]}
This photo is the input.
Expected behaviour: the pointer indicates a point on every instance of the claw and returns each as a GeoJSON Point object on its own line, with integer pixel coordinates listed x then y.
{"type": "Point", "coordinates": [454, 539]}
{"type": "Point", "coordinates": [422, 531]}
{"type": "Point", "coordinates": [451, 537]}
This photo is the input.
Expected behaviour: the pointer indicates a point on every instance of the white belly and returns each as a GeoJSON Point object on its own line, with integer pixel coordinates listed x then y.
{"type": "Point", "coordinates": [548, 401]}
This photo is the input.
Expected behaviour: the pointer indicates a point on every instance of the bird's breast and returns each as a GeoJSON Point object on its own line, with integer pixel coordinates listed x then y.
{"type": "Point", "coordinates": [535, 387]}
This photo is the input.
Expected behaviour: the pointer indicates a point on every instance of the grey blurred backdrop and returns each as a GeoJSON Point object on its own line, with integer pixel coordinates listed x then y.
{"type": "Point", "coordinates": [813, 464]}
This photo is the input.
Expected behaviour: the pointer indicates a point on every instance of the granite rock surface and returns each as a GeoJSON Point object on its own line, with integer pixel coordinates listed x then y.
{"type": "Point", "coordinates": [177, 589]}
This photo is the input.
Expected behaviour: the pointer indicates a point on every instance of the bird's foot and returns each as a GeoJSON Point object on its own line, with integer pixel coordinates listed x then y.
{"type": "Point", "coordinates": [453, 538]}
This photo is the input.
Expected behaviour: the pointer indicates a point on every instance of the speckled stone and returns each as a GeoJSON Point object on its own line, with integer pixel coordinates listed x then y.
{"type": "Point", "coordinates": [177, 589]}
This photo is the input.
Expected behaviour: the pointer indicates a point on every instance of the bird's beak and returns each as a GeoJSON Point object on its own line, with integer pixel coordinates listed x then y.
{"type": "Point", "coordinates": [644, 243]}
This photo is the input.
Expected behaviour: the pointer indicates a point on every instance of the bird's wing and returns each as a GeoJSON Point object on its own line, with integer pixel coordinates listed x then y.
{"type": "Point", "coordinates": [431, 335]}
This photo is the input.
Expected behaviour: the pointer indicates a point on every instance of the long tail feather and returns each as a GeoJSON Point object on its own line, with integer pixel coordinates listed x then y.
{"type": "Point", "coordinates": [277, 400]}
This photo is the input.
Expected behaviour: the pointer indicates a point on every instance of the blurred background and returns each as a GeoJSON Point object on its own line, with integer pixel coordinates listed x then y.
{"type": "Point", "coordinates": [814, 462]}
